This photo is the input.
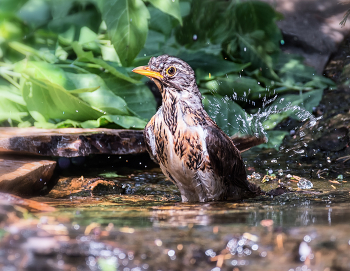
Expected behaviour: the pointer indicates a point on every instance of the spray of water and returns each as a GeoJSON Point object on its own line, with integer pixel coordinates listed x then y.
{"type": "Point", "coordinates": [253, 123]}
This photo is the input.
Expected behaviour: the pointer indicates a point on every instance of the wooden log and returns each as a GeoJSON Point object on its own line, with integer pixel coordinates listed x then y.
{"type": "Point", "coordinates": [70, 142]}
{"type": "Point", "coordinates": [25, 176]}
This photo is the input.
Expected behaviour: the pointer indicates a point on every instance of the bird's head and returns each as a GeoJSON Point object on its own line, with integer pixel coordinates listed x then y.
{"type": "Point", "coordinates": [171, 74]}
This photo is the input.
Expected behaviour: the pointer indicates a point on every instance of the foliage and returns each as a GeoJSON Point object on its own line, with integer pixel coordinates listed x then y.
{"type": "Point", "coordinates": [67, 63]}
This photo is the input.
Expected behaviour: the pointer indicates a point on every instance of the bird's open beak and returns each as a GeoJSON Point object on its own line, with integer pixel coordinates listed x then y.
{"type": "Point", "coordinates": [145, 70]}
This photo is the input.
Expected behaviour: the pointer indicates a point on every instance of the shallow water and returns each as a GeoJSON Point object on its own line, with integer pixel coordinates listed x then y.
{"type": "Point", "coordinates": [148, 228]}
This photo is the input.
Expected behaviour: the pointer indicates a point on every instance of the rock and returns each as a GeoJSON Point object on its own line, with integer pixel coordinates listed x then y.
{"type": "Point", "coordinates": [85, 187]}
{"type": "Point", "coordinates": [335, 140]}
{"type": "Point", "coordinates": [311, 28]}
{"type": "Point", "coordinates": [26, 176]}
{"type": "Point", "coordinates": [12, 200]}
{"type": "Point", "coordinates": [102, 187]}
{"type": "Point", "coordinates": [71, 142]}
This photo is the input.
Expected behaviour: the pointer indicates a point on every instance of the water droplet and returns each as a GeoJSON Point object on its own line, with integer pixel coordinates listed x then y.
{"type": "Point", "coordinates": [171, 253]}
{"type": "Point", "coordinates": [77, 111]}
{"type": "Point", "coordinates": [304, 250]}
{"type": "Point", "coordinates": [307, 238]}
{"type": "Point", "coordinates": [195, 37]}
{"type": "Point", "coordinates": [245, 49]}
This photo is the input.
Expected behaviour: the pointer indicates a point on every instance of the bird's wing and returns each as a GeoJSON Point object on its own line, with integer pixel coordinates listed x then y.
{"type": "Point", "coordinates": [150, 140]}
{"type": "Point", "coordinates": [225, 158]}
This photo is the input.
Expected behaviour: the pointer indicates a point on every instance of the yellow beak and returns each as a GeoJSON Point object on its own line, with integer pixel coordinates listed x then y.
{"type": "Point", "coordinates": [145, 70]}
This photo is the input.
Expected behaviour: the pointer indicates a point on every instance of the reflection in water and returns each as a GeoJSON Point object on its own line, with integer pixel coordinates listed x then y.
{"type": "Point", "coordinates": [148, 228]}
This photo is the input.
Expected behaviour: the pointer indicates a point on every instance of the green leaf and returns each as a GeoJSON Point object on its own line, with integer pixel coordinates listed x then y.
{"type": "Point", "coordinates": [293, 72]}
{"type": "Point", "coordinates": [139, 98]}
{"type": "Point", "coordinates": [228, 115]}
{"type": "Point", "coordinates": [153, 45]}
{"type": "Point", "coordinates": [256, 54]}
{"type": "Point", "coordinates": [127, 25]}
{"type": "Point", "coordinates": [46, 100]}
{"type": "Point", "coordinates": [102, 98]}
{"type": "Point", "coordinates": [26, 50]}
{"type": "Point", "coordinates": [12, 105]}
{"type": "Point", "coordinates": [88, 87]}
{"type": "Point", "coordinates": [77, 16]}
{"type": "Point", "coordinates": [42, 70]}
{"type": "Point", "coordinates": [204, 64]}
{"type": "Point", "coordinates": [127, 122]}
{"type": "Point", "coordinates": [255, 36]}
{"type": "Point", "coordinates": [171, 7]}
{"type": "Point", "coordinates": [83, 90]}
{"type": "Point", "coordinates": [10, 6]}
{"type": "Point", "coordinates": [35, 12]}
{"type": "Point", "coordinates": [60, 8]}
{"type": "Point", "coordinates": [205, 25]}
{"type": "Point", "coordinates": [89, 57]}
{"type": "Point", "coordinates": [236, 86]}
{"type": "Point", "coordinates": [157, 16]}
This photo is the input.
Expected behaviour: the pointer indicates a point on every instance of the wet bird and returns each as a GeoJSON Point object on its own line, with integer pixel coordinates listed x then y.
{"type": "Point", "coordinates": [192, 151]}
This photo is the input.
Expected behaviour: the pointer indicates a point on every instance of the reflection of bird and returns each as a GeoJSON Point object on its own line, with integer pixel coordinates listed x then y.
{"type": "Point", "coordinates": [190, 148]}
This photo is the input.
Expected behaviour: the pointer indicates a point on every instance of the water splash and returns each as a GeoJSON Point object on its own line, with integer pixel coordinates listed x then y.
{"type": "Point", "coordinates": [253, 124]}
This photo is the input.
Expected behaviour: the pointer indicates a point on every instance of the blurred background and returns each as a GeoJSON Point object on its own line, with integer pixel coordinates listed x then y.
{"type": "Point", "coordinates": [68, 63]}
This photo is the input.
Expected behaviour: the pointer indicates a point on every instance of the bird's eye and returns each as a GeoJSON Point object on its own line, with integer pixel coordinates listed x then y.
{"type": "Point", "coordinates": [171, 71]}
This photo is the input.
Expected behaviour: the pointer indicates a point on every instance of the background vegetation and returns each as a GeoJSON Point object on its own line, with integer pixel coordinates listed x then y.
{"type": "Point", "coordinates": [67, 63]}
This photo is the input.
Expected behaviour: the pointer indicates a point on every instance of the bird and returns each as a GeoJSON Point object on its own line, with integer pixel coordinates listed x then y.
{"type": "Point", "coordinates": [191, 149]}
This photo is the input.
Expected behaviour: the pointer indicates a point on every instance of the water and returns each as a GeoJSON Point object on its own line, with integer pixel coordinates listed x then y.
{"type": "Point", "coordinates": [148, 228]}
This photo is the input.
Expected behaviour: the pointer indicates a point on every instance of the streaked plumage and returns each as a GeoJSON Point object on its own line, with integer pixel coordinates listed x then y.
{"type": "Point", "coordinates": [192, 151]}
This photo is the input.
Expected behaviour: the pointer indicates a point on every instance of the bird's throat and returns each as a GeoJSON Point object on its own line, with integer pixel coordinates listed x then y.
{"type": "Point", "coordinates": [158, 84]}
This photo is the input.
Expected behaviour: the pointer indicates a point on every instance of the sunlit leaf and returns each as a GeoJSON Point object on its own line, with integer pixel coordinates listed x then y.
{"type": "Point", "coordinates": [127, 25]}
{"type": "Point", "coordinates": [139, 98]}
{"type": "Point", "coordinates": [26, 50]}
{"type": "Point", "coordinates": [102, 98]}
{"type": "Point", "coordinates": [46, 100]}
{"type": "Point", "coordinates": [90, 57]}
{"type": "Point", "coordinates": [170, 7]}
{"type": "Point", "coordinates": [12, 105]}
{"type": "Point", "coordinates": [127, 122]}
